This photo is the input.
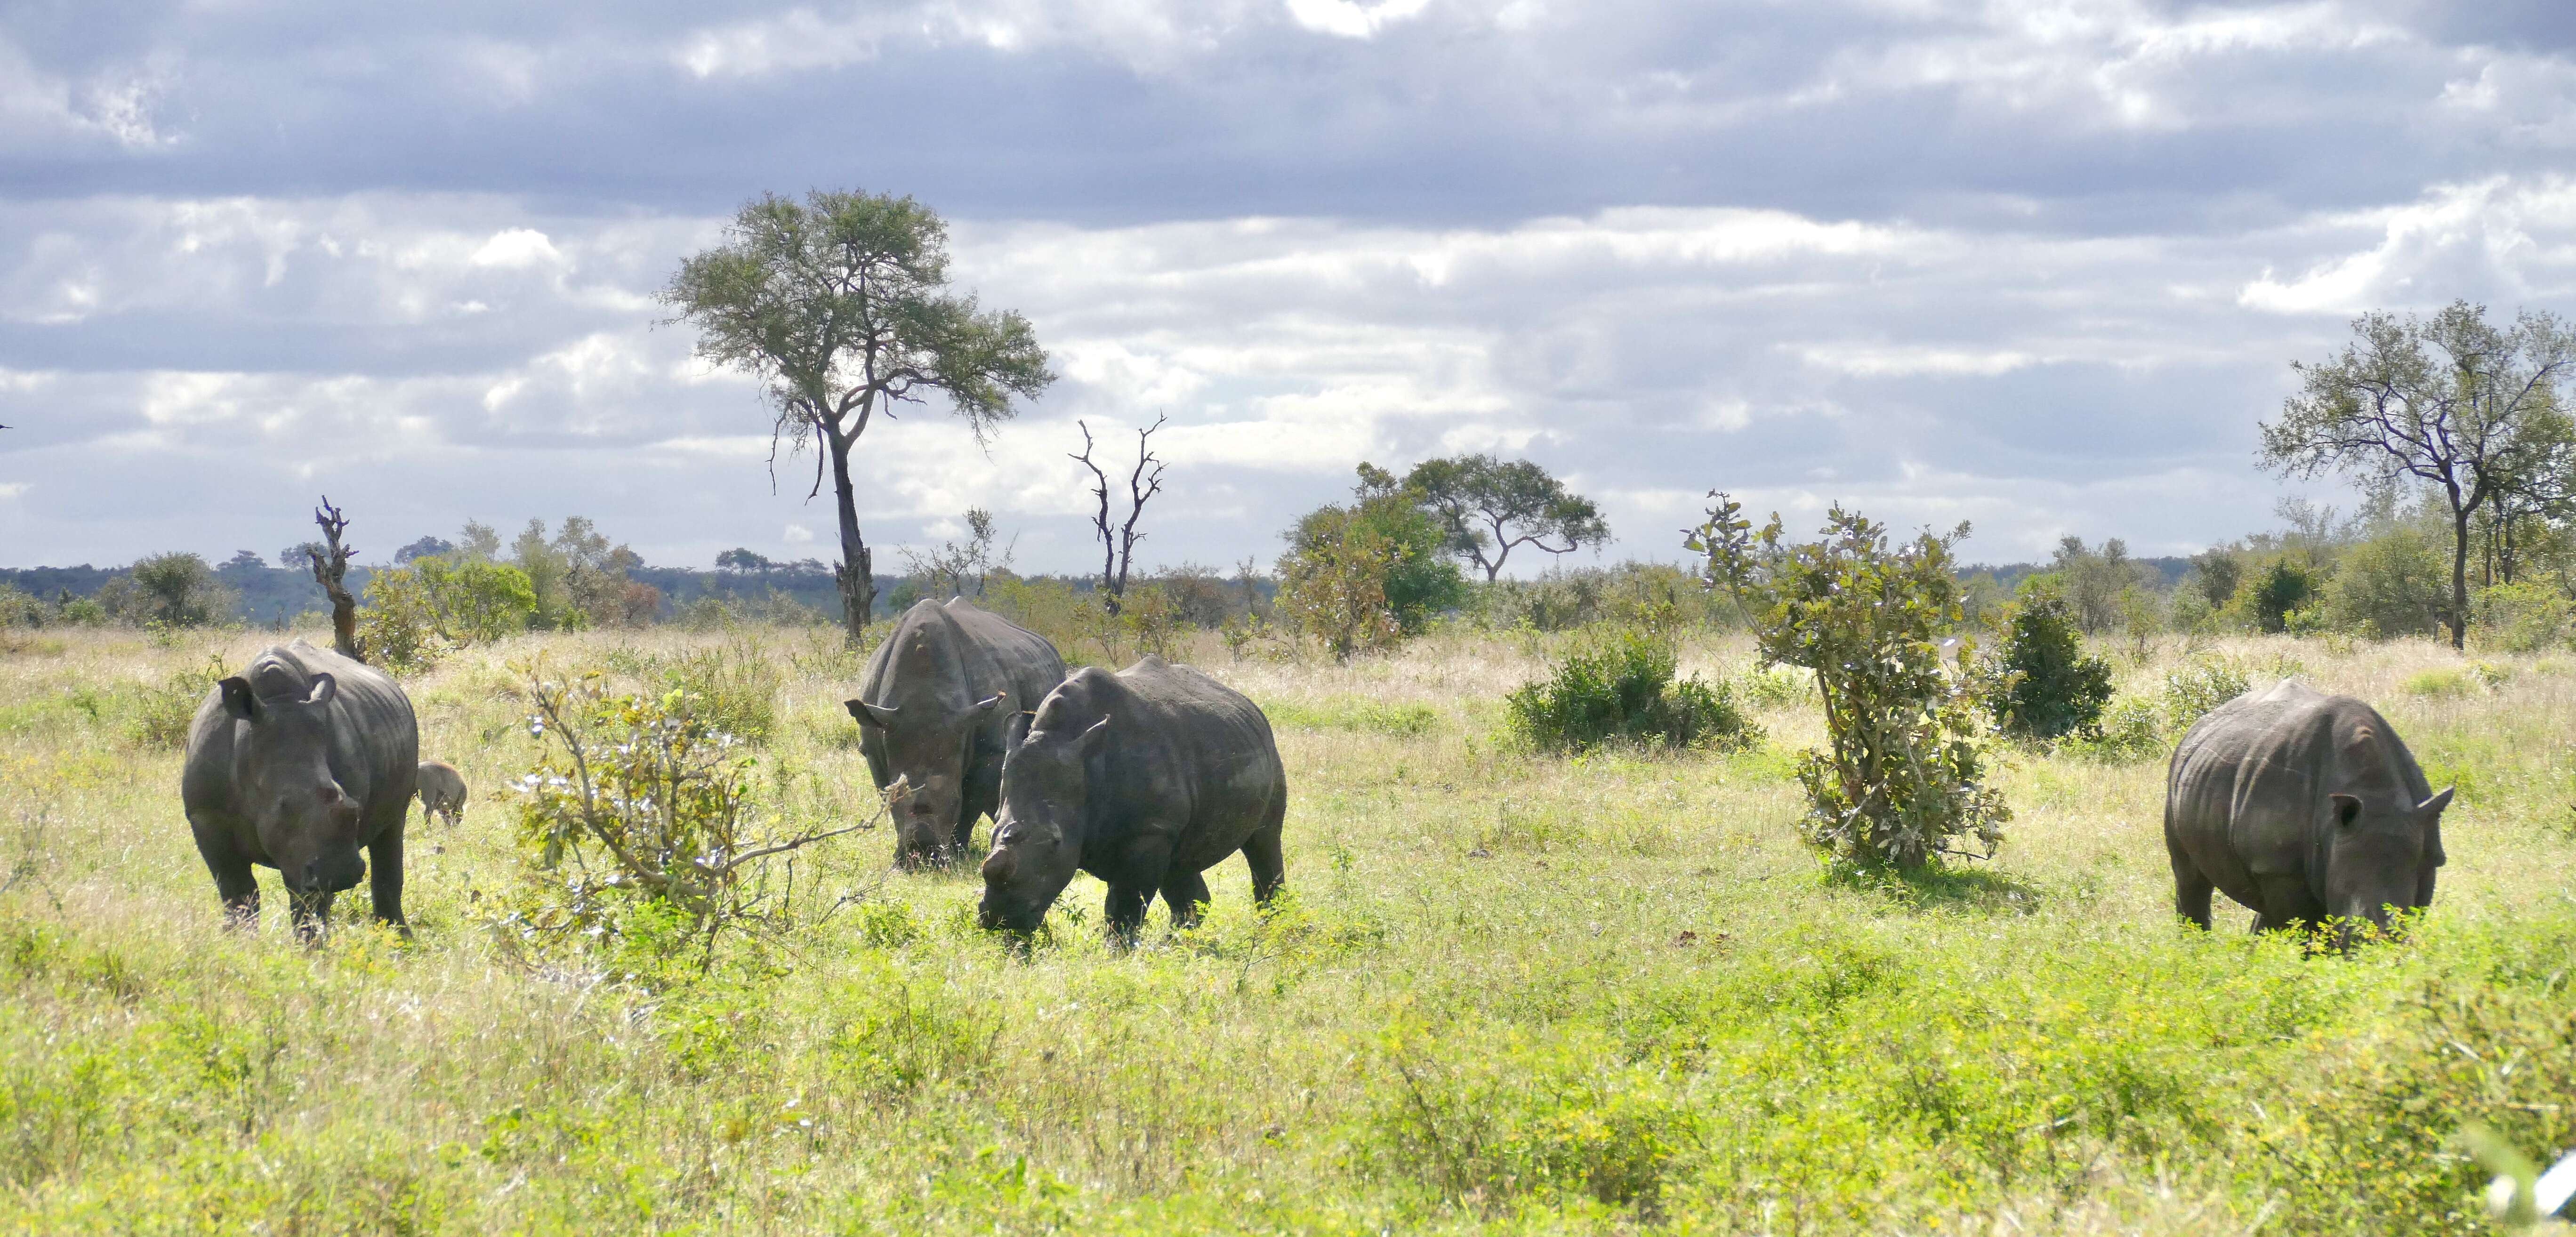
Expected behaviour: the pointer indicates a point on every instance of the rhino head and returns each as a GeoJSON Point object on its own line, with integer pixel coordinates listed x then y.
{"type": "Point", "coordinates": [1037, 841]}
{"type": "Point", "coordinates": [306, 823]}
{"type": "Point", "coordinates": [928, 745]}
{"type": "Point", "coordinates": [2381, 854]}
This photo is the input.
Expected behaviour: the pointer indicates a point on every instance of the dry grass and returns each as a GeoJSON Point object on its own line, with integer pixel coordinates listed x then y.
{"type": "Point", "coordinates": [1602, 994]}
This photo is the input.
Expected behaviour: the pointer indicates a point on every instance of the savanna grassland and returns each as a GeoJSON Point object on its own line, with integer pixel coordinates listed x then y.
{"type": "Point", "coordinates": [1512, 993]}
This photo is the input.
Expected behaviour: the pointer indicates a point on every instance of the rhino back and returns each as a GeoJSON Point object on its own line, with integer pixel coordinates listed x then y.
{"type": "Point", "coordinates": [1198, 750]}
{"type": "Point", "coordinates": [2247, 793]}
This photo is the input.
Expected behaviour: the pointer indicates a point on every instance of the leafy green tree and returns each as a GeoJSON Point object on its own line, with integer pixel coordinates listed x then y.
{"type": "Point", "coordinates": [1488, 508]}
{"type": "Point", "coordinates": [2389, 585]}
{"type": "Point", "coordinates": [840, 306]}
{"type": "Point", "coordinates": [1419, 579]}
{"type": "Point", "coordinates": [2218, 572]}
{"type": "Point", "coordinates": [2468, 408]}
{"type": "Point", "coordinates": [2049, 687]}
{"type": "Point", "coordinates": [1904, 777]}
{"type": "Point", "coordinates": [173, 590]}
{"type": "Point", "coordinates": [1332, 583]}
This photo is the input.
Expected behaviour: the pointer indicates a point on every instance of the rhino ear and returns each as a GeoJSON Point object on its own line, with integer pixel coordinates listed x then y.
{"type": "Point", "coordinates": [2434, 805]}
{"type": "Point", "coordinates": [324, 687]}
{"type": "Point", "coordinates": [2347, 809]}
{"type": "Point", "coordinates": [238, 700]}
{"type": "Point", "coordinates": [1016, 730]}
{"type": "Point", "coordinates": [866, 714]}
{"type": "Point", "coordinates": [1092, 739]}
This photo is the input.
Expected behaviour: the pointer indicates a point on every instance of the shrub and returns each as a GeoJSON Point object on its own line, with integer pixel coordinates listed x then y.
{"type": "Point", "coordinates": [2396, 584]}
{"type": "Point", "coordinates": [2523, 617]}
{"type": "Point", "coordinates": [1774, 687]}
{"type": "Point", "coordinates": [2375, 1147]}
{"type": "Point", "coordinates": [639, 814]}
{"type": "Point", "coordinates": [1333, 587]}
{"type": "Point", "coordinates": [1621, 688]}
{"type": "Point", "coordinates": [2441, 681]}
{"type": "Point", "coordinates": [415, 616]}
{"type": "Point", "coordinates": [2195, 687]}
{"type": "Point", "coordinates": [2132, 729]}
{"type": "Point", "coordinates": [2049, 687]}
{"type": "Point", "coordinates": [1904, 778]}
{"type": "Point", "coordinates": [159, 716]}
{"type": "Point", "coordinates": [2285, 586]}
{"type": "Point", "coordinates": [19, 608]}
{"type": "Point", "coordinates": [733, 687]}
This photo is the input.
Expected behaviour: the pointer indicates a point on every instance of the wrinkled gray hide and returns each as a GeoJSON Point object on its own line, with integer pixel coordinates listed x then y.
{"type": "Point", "coordinates": [296, 764]}
{"type": "Point", "coordinates": [2300, 806]}
{"type": "Point", "coordinates": [1144, 778]}
{"type": "Point", "coordinates": [932, 711]}
{"type": "Point", "coordinates": [442, 791]}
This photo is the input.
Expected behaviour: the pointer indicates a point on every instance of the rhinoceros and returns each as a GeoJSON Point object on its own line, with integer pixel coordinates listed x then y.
{"type": "Point", "coordinates": [1144, 778]}
{"type": "Point", "coordinates": [295, 764]}
{"type": "Point", "coordinates": [2300, 806]}
{"type": "Point", "coordinates": [442, 792]}
{"type": "Point", "coordinates": [932, 712]}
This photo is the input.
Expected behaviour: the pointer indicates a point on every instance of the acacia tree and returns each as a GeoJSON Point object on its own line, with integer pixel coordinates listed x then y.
{"type": "Point", "coordinates": [1118, 545]}
{"type": "Point", "coordinates": [2452, 400]}
{"type": "Point", "coordinates": [1489, 508]}
{"type": "Point", "coordinates": [840, 305]}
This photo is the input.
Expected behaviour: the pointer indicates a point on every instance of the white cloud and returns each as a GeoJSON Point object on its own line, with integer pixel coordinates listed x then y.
{"type": "Point", "coordinates": [1352, 19]}
{"type": "Point", "coordinates": [518, 248]}
{"type": "Point", "coordinates": [2503, 238]}
{"type": "Point", "coordinates": [797, 534]}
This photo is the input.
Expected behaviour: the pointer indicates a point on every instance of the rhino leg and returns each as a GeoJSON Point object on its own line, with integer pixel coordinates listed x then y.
{"type": "Point", "coordinates": [1261, 854]}
{"type": "Point", "coordinates": [235, 883]}
{"type": "Point", "coordinates": [2191, 890]}
{"type": "Point", "coordinates": [2287, 903]}
{"type": "Point", "coordinates": [385, 876]}
{"type": "Point", "coordinates": [1126, 912]}
{"type": "Point", "coordinates": [1185, 894]}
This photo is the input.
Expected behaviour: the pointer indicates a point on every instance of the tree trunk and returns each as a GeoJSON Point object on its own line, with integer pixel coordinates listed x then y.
{"type": "Point", "coordinates": [2459, 616]}
{"type": "Point", "coordinates": [856, 571]}
{"type": "Point", "coordinates": [344, 608]}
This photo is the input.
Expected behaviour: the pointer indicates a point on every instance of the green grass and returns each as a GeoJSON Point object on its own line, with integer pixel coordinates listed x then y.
{"type": "Point", "coordinates": [1510, 993]}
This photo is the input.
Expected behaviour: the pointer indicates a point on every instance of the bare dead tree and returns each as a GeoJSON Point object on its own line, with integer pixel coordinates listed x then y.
{"type": "Point", "coordinates": [1118, 544]}
{"type": "Point", "coordinates": [330, 568]}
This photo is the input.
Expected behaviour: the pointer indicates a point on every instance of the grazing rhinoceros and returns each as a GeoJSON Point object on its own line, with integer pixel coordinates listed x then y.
{"type": "Point", "coordinates": [1144, 778]}
{"type": "Point", "coordinates": [442, 792]}
{"type": "Point", "coordinates": [294, 765]}
{"type": "Point", "coordinates": [2300, 806]}
{"type": "Point", "coordinates": [933, 711]}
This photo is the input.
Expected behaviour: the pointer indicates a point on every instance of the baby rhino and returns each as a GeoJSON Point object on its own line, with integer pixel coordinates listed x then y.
{"type": "Point", "coordinates": [1144, 778]}
{"type": "Point", "coordinates": [2300, 806]}
{"type": "Point", "coordinates": [442, 792]}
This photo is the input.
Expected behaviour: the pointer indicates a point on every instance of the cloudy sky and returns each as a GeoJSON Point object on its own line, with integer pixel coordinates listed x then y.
{"type": "Point", "coordinates": [2040, 264]}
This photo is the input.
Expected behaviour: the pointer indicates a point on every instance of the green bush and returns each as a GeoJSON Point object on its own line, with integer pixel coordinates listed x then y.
{"type": "Point", "coordinates": [1620, 688]}
{"type": "Point", "coordinates": [1905, 778]}
{"type": "Point", "coordinates": [2195, 687]}
{"type": "Point", "coordinates": [2285, 587]}
{"type": "Point", "coordinates": [2050, 688]}
{"type": "Point", "coordinates": [2442, 682]}
{"type": "Point", "coordinates": [732, 687]}
{"type": "Point", "coordinates": [2396, 584]}
{"type": "Point", "coordinates": [159, 716]}
{"type": "Point", "coordinates": [2132, 729]}
{"type": "Point", "coordinates": [2523, 617]}
{"type": "Point", "coordinates": [18, 608]}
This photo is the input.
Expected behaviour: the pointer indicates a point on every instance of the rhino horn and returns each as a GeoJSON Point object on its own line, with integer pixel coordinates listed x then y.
{"type": "Point", "coordinates": [2434, 805]}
